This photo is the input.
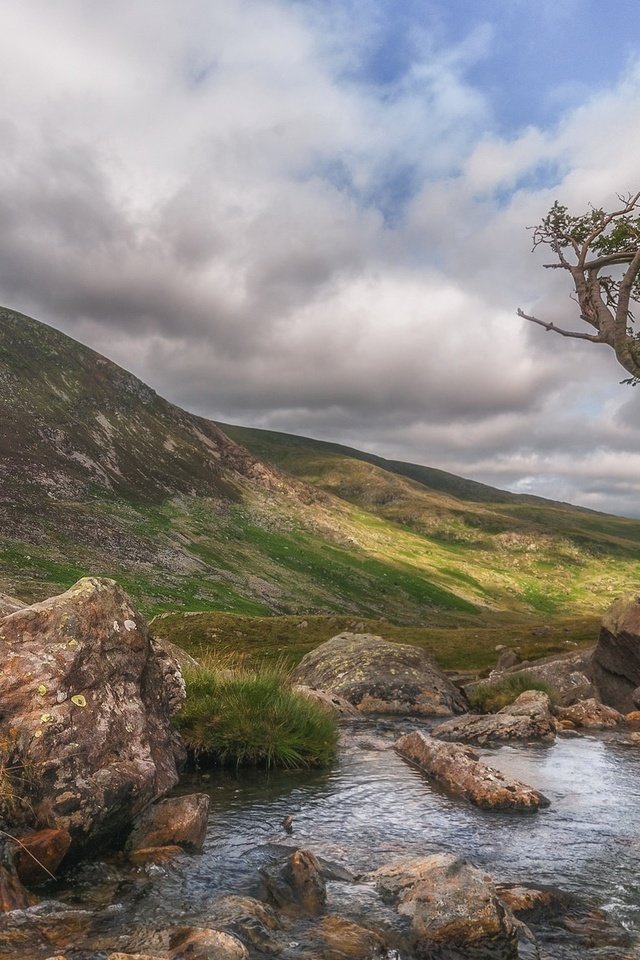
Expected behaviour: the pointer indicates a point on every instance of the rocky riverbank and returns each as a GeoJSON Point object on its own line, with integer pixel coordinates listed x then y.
{"type": "Point", "coordinates": [90, 754]}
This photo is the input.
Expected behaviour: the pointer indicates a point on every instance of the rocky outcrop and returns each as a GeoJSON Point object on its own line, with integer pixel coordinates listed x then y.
{"type": "Point", "coordinates": [178, 821]}
{"type": "Point", "coordinates": [616, 658]}
{"type": "Point", "coordinates": [527, 719]}
{"type": "Point", "coordinates": [380, 677]}
{"type": "Point", "coordinates": [461, 772]}
{"type": "Point", "coordinates": [591, 714]}
{"type": "Point", "coordinates": [86, 700]}
{"type": "Point", "coordinates": [569, 676]}
{"type": "Point", "coordinates": [453, 907]}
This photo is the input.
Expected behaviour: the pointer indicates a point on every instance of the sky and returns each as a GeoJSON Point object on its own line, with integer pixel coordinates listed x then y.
{"type": "Point", "coordinates": [311, 216]}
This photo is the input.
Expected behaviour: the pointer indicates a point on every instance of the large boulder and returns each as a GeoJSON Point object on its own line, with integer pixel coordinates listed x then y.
{"type": "Point", "coordinates": [528, 719]}
{"type": "Point", "coordinates": [460, 771]}
{"type": "Point", "coordinates": [85, 718]}
{"type": "Point", "coordinates": [616, 658]}
{"type": "Point", "coordinates": [379, 676]}
{"type": "Point", "coordinates": [453, 907]}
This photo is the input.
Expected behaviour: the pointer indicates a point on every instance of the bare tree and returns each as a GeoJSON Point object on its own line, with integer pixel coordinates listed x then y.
{"type": "Point", "coordinates": [601, 251]}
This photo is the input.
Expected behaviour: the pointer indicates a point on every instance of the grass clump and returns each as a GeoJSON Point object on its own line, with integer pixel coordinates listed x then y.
{"type": "Point", "coordinates": [490, 697]}
{"type": "Point", "coordinates": [240, 716]}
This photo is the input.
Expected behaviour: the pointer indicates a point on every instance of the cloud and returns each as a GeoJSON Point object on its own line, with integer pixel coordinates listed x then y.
{"type": "Point", "coordinates": [272, 217]}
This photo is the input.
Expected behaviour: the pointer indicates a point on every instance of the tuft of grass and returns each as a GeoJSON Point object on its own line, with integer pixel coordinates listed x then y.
{"type": "Point", "coordinates": [240, 716]}
{"type": "Point", "coordinates": [488, 698]}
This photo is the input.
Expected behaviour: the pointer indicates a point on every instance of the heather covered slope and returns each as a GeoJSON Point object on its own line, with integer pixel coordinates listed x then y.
{"type": "Point", "coordinates": [99, 475]}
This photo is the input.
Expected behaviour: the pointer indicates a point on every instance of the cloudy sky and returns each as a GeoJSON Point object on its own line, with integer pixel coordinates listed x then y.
{"type": "Point", "coordinates": [310, 216]}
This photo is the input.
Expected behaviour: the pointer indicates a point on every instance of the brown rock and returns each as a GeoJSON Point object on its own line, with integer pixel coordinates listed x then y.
{"type": "Point", "coordinates": [340, 939]}
{"type": "Point", "coordinates": [534, 903]}
{"type": "Point", "coordinates": [529, 718]}
{"type": "Point", "coordinates": [199, 943]}
{"type": "Point", "coordinates": [616, 658]}
{"type": "Point", "coordinates": [298, 884]}
{"type": "Point", "coordinates": [158, 855]}
{"type": "Point", "coordinates": [380, 677]}
{"type": "Point", "coordinates": [86, 702]}
{"type": "Point", "coordinates": [39, 854]}
{"type": "Point", "coordinates": [253, 921]}
{"type": "Point", "coordinates": [454, 908]}
{"type": "Point", "coordinates": [180, 821]}
{"type": "Point", "coordinates": [633, 717]}
{"type": "Point", "coordinates": [591, 714]}
{"type": "Point", "coordinates": [459, 769]}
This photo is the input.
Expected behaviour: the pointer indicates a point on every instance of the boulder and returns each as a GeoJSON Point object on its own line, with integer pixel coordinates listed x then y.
{"type": "Point", "coordinates": [616, 658]}
{"type": "Point", "coordinates": [527, 719]}
{"type": "Point", "coordinates": [568, 675]}
{"type": "Point", "coordinates": [380, 677]}
{"type": "Point", "coordinates": [86, 706]}
{"type": "Point", "coordinates": [454, 908]}
{"type": "Point", "coordinates": [179, 821]}
{"type": "Point", "coordinates": [461, 772]}
{"type": "Point", "coordinates": [591, 714]}
{"type": "Point", "coordinates": [297, 885]}
{"type": "Point", "coordinates": [201, 943]}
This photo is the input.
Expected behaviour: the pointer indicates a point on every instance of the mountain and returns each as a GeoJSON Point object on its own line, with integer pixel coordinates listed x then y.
{"type": "Point", "coordinates": [98, 474]}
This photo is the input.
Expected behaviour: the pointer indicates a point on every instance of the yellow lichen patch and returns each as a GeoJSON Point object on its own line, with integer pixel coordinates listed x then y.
{"type": "Point", "coordinates": [42, 690]}
{"type": "Point", "coordinates": [79, 700]}
{"type": "Point", "coordinates": [47, 718]}
{"type": "Point", "coordinates": [73, 644]}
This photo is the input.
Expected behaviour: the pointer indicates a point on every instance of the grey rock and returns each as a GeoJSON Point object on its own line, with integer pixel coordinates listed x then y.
{"type": "Point", "coordinates": [528, 719]}
{"type": "Point", "coordinates": [616, 658]}
{"type": "Point", "coordinates": [380, 677]}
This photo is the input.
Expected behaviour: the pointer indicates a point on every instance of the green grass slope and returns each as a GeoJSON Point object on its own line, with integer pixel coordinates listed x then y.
{"type": "Point", "coordinates": [99, 475]}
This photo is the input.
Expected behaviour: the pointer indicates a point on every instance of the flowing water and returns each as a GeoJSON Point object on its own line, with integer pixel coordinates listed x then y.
{"type": "Point", "coordinates": [372, 808]}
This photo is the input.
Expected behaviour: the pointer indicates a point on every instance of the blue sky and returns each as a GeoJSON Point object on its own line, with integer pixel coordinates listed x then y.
{"type": "Point", "coordinates": [310, 215]}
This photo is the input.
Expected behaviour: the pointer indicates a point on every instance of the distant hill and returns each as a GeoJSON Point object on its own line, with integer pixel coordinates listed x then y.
{"type": "Point", "coordinates": [98, 474]}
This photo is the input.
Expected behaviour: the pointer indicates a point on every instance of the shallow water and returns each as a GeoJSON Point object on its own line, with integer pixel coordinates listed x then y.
{"type": "Point", "coordinates": [372, 808]}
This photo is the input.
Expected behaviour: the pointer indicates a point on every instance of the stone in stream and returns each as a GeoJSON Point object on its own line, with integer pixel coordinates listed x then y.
{"type": "Point", "coordinates": [297, 885]}
{"type": "Point", "coordinates": [528, 718]}
{"type": "Point", "coordinates": [176, 821]}
{"type": "Point", "coordinates": [39, 854]}
{"type": "Point", "coordinates": [86, 706]}
{"type": "Point", "coordinates": [454, 908]}
{"type": "Point", "coordinates": [616, 658]}
{"type": "Point", "coordinates": [461, 772]}
{"type": "Point", "coordinates": [380, 677]}
{"type": "Point", "coordinates": [13, 895]}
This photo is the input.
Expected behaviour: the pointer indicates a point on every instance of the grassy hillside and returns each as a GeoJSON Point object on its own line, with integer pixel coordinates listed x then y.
{"type": "Point", "coordinates": [100, 475]}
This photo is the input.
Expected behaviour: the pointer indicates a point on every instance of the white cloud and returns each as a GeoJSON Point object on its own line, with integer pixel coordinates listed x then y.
{"type": "Point", "coordinates": [202, 192]}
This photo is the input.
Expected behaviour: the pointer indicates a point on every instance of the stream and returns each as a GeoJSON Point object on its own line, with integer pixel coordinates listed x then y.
{"type": "Point", "coordinates": [371, 808]}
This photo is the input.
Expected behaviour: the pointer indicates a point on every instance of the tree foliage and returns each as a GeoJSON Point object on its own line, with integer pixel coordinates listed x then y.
{"type": "Point", "coordinates": [601, 251]}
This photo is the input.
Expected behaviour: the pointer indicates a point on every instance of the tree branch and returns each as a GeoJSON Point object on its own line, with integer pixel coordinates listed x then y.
{"type": "Point", "coordinates": [574, 334]}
